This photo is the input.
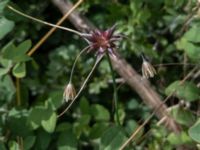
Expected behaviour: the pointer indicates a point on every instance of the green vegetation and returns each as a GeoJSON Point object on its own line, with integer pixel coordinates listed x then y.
{"type": "Point", "coordinates": [104, 116]}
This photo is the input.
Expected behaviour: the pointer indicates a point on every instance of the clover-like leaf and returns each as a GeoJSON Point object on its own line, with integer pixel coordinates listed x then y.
{"type": "Point", "coordinates": [194, 131]}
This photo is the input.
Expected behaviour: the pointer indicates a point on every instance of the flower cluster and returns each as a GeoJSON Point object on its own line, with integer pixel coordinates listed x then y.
{"type": "Point", "coordinates": [103, 41]}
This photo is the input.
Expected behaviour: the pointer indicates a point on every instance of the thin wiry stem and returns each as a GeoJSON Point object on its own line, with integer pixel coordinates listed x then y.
{"type": "Point", "coordinates": [45, 37]}
{"type": "Point", "coordinates": [155, 110]}
{"type": "Point", "coordinates": [115, 97]}
{"type": "Point", "coordinates": [172, 64]}
{"type": "Point", "coordinates": [44, 22]}
{"type": "Point", "coordinates": [175, 64]}
{"type": "Point", "coordinates": [77, 57]}
{"type": "Point", "coordinates": [83, 85]}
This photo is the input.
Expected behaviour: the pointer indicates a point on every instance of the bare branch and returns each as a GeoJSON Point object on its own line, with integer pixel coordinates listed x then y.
{"type": "Point", "coordinates": [131, 77]}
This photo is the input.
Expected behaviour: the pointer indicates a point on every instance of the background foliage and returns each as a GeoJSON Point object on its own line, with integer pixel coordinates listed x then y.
{"type": "Point", "coordinates": [154, 27]}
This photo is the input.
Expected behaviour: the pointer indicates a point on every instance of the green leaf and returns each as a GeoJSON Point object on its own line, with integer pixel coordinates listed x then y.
{"type": "Point", "coordinates": [192, 51]}
{"type": "Point", "coordinates": [36, 116]}
{"type": "Point", "coordinates": [2, 146]}
{"type": "Point", "coordinates": [122, 115]}
{"type": "Point", "coordinates": [17, 54]}
{"type": "Point", "coordinates": [13, 145]}
{"type": "Point", "coordinates": [21, 58]}
{"type": "Point", "coordinates": [6, 65]}
{"type": "Point", "coordinates": [99, 112]}
{"type": "Point", "coordinates": [179, 139]}
{"type": "Point", "coordinates": [132, 104]}
{"type": "Point", "coordinates": [55, 99]}
{"type": "Point", "coordinates": [50, 124]}
{"type": "Point", "coordinates": [193, 34]}
{"type": "Point", "coordinates": [42, 140]}
{"type": "Point", "coordinates": [131, 126]}
{"type": "Point", "coordinates": [112, 138]}
{"type": "Point", "coordinates": [29, 142]}
{"type": "Point", "coordinates": [183, 116]}
{"type": "Point", "coordinates": [84, 106]}
{"type": "Point", "coordinates": [8, 87]}
{"type": "Point", "coordinates": [24, 47]}
{"type": "Point", "coordinates": [84, 119]}
{"type": "Point", "coordinates": [42, 116]}
{"type": "Point", "coordinates": [187, 44]}
{"type": "Point", "coordinates": [67, 141]}
{"type": "Point", "coordinates": [8, 50]}
{"type": "Point", "coordinates": [97, 130]}
{"type": "Point", "coordinates": [6, 26]}
{"type": "Point", "coordinates": [17, 122]}
{"type": "Point", "coordinates": [82, 125]}
{"type": "Point", "coordinates": [96, 86]}
{"type": "Point", "coordinates": [63, 127]}
{"type": "Point", "coordinates": [194, 131]}
{"type": "Point", "coordinates": [187, 90]}
{"type": "Point", "coordinates": [19, 70]}
{"type": "Point", "coordinates": [3, 71]}
{"type": "Point", "coordinates": [3, 4]}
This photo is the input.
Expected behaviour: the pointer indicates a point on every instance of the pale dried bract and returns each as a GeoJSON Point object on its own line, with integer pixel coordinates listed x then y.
{"type": "Point", "coordinates": [148, 71]}
{"type": "Point", "coordinates": [69, 92]}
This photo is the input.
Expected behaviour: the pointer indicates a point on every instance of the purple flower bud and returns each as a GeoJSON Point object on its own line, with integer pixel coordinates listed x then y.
{"type": "Point", "coordinates": [103, 41]}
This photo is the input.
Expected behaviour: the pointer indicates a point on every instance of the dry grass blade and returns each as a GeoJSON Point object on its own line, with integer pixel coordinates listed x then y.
{"type": "Point", "coordinates": [54, 26]}
{"type": "Point", "coordinates": [42, 40]}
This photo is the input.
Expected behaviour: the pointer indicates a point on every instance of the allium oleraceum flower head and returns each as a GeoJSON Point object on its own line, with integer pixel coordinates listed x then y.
{"type": "Point", "coordinates": [103, 41]}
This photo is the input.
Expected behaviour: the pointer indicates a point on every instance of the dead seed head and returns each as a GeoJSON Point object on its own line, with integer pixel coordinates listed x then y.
{"type": "Point", "coordinates": [148, 71]}
{"type": "Point", "coordinates": [69, 92]}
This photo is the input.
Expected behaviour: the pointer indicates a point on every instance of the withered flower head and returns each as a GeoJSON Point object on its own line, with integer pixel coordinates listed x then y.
{"type": "Point", "coordinates": [103, 41]}
{"type": "Point", "coordinates": [69, 92]}
{"type": "Point", "coordinates": [148, 71]}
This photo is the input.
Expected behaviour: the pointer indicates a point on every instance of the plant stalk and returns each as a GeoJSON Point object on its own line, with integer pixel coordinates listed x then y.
{"type": "Point", "coordinates": [43, 22]}
{"type": "Point", "coordinates": [81, 89]}
{"type": "Point", "coordinates": [115, 97]}
{"type": "Point", "coordinates": [77, 57]}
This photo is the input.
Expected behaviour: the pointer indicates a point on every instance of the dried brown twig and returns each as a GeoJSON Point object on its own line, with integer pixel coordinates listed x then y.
{"type": "Point", "coordinates": [150, 97]}
{"type": "Point", "coordinates": [41, 41]}
{"type": "Point", "coordinates": [153, 113]}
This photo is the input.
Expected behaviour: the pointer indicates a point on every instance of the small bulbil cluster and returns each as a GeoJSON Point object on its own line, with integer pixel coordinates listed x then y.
{"type": "Point", "coordinates": [103, 41]}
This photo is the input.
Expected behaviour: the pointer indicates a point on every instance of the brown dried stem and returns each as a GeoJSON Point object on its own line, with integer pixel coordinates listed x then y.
{"type": "Point", "coordinates": [45, 37]}
{"type": "Point", "coordinates": [41, 41]}
{"type": "Point", "coordinates": [153, 113]}
{"type": "Point", "coordinates": [131, 77]}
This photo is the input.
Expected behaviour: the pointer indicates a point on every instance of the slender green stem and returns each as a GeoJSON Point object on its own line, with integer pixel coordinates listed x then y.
{"type": "Point", "coordinates": [44, 22]}
{"type": "Point", "coordinates": [81, 89]}
{"type": "Point", "coordinates": [115, 97]}
{"type": "Point", "coordinates": [77, 57]}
